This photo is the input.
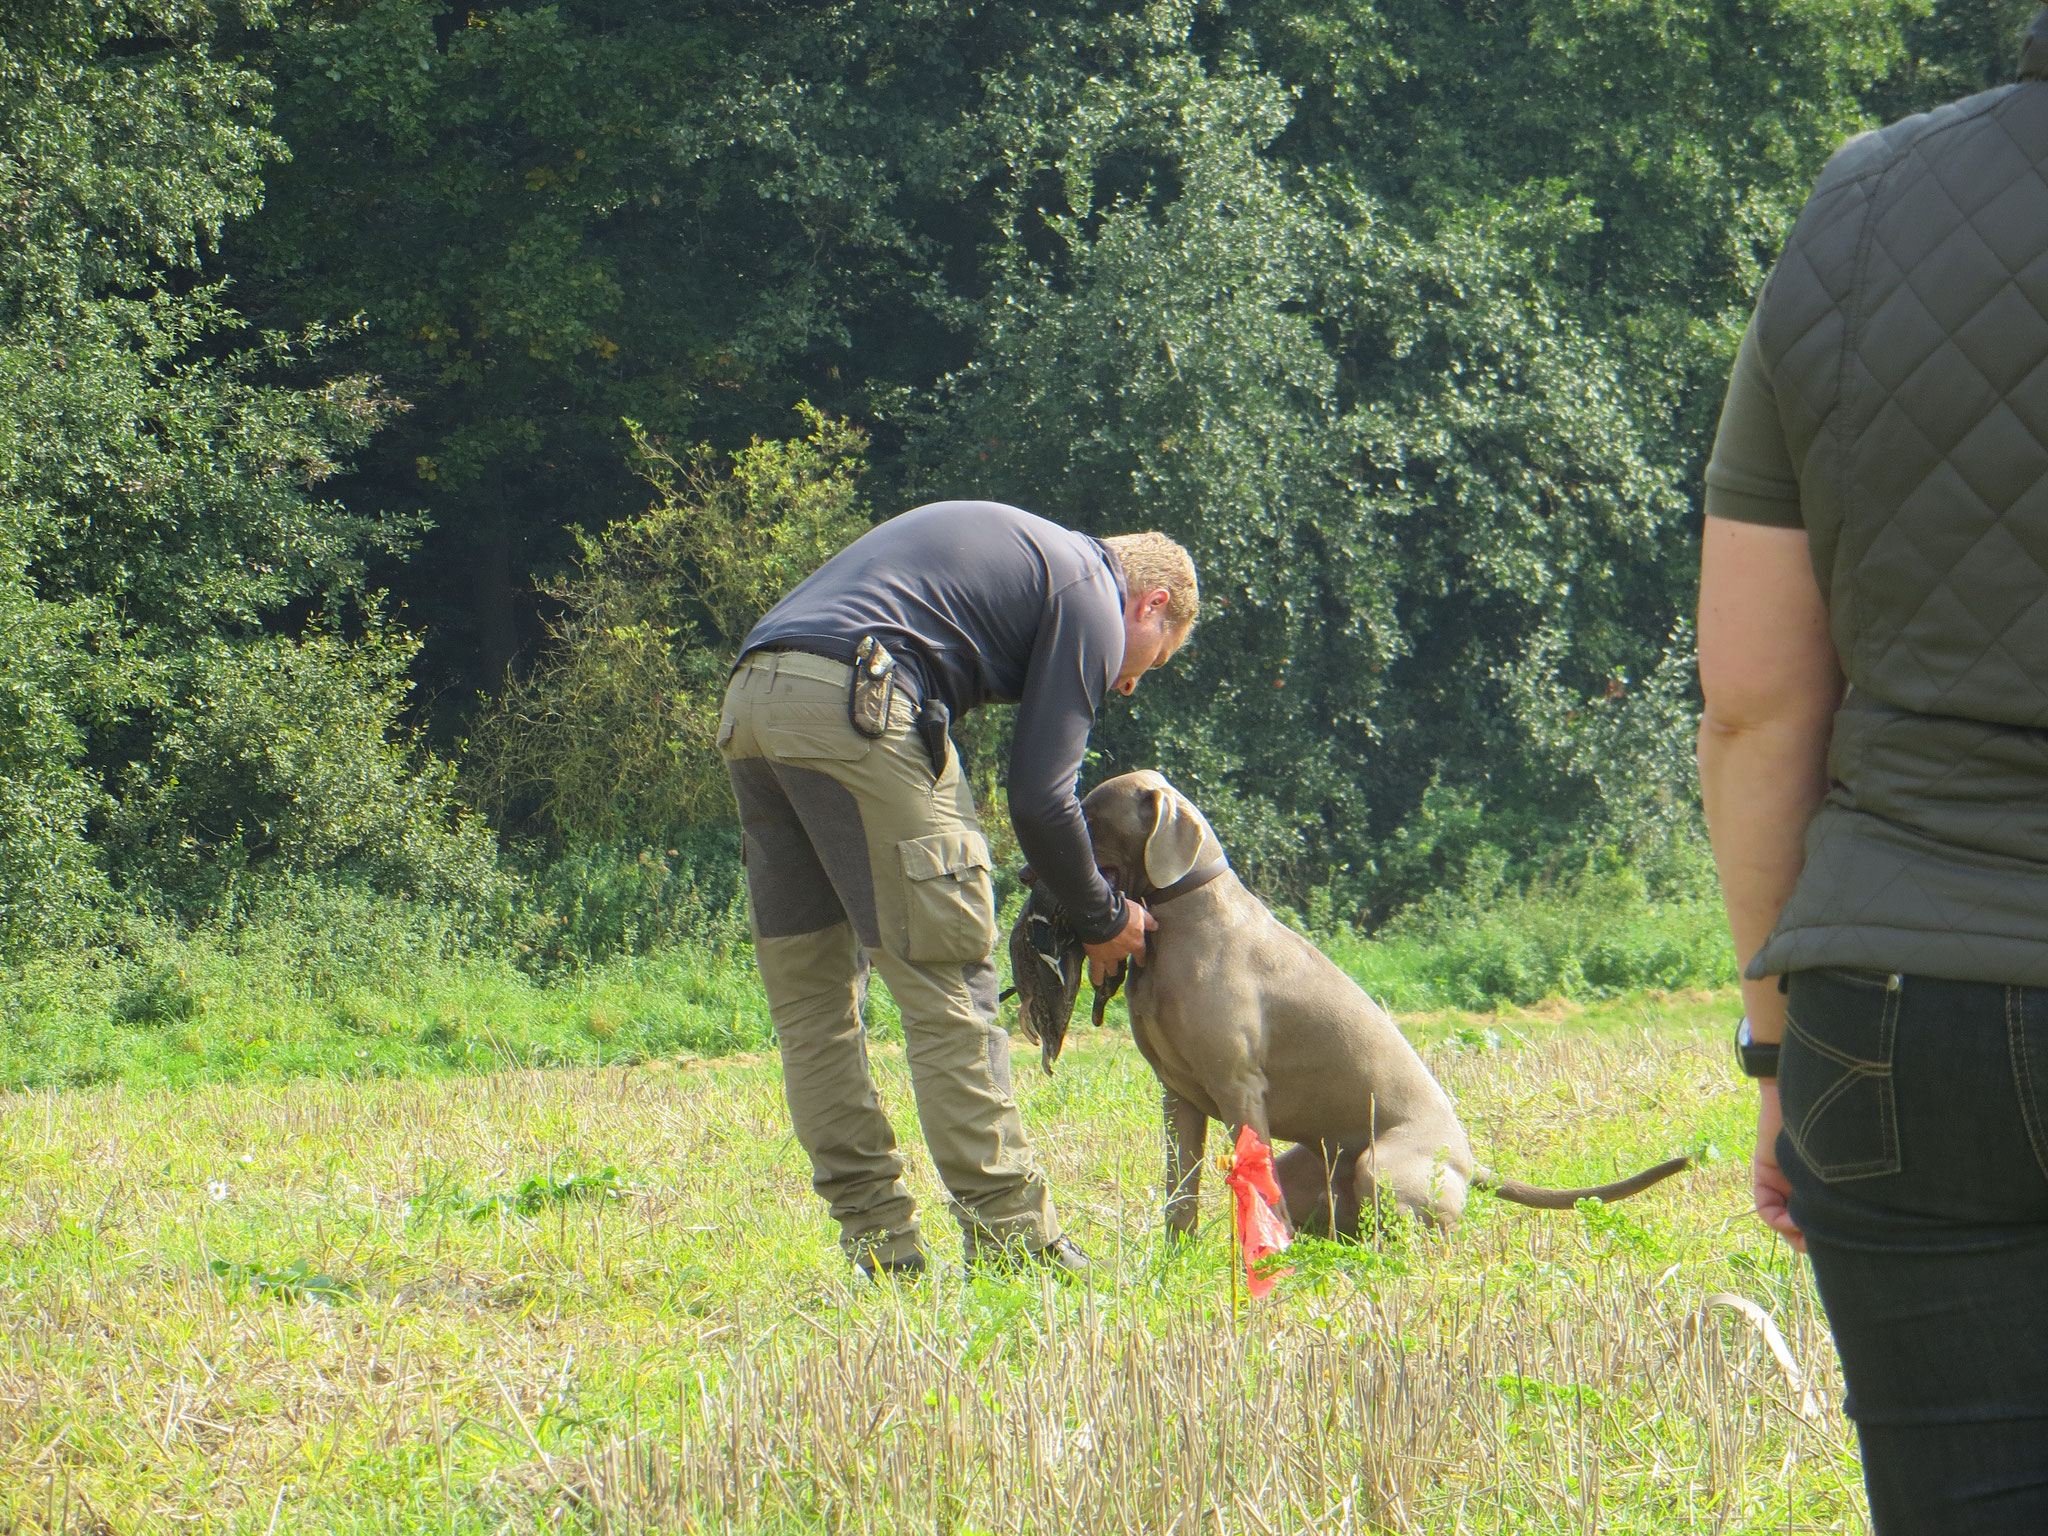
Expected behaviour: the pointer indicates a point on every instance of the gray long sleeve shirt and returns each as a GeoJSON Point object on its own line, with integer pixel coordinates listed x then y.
{"type": "Point", "coordinates": [985, 603]}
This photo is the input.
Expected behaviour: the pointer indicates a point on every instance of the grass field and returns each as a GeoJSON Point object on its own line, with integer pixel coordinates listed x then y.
{"type": "Point", "coordinates": [605, 1299]}
{"type": "Point", "coordinates": [339, 983]}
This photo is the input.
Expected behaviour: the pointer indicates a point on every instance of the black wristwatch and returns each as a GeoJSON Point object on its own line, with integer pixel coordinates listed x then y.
{"type": "Point", "coordinates": [1755, 1058]}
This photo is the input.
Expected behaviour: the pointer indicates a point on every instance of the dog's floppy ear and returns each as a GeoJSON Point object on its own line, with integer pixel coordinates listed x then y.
{"type": "Point", "coordinates": [1176, 840]}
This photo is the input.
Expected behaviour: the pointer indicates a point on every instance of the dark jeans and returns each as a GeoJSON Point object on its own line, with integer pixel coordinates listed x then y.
{"type": "Point", "coordinates": [1916, 1140]}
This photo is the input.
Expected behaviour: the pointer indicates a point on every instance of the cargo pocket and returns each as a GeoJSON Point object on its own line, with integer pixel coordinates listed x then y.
{"type": "Point", "coordinates": [1835, 1073]}
{"type": "Point", "coordinates": [949, 902]}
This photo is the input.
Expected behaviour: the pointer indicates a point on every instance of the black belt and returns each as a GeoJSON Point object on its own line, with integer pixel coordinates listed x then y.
{"type": "Point", "coordinates": [831, 650]}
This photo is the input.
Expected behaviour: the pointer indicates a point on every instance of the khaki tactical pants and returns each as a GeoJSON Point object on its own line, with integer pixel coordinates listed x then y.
{"type": "Point", "coordinates": [856, 851]}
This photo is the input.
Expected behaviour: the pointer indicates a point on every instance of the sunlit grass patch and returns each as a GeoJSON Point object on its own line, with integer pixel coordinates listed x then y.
{"type": "Point", "coordinates": [274, 1307]}
{"type": "Point", "coordinates": [356, 989]}
{"type": "Point", "coordinates": [215, 1017]}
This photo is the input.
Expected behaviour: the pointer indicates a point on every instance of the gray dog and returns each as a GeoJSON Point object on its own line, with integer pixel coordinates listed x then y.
{"type": "Point", "coordinates": [1246, 1022]}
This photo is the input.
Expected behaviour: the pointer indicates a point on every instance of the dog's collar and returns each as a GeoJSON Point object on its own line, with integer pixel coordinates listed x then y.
{"type": "Point", "coordinates": [1193, 880]}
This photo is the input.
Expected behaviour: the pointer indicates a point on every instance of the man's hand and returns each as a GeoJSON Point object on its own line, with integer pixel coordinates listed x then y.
{"type": "Point", "coordinates": [1768, 1184]}
{"type": "Point", "coordinates": [1128, 945]}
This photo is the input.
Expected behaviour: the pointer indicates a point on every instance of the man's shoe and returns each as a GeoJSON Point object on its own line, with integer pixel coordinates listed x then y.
{"type": "Point", "coordinates": [1062, 1257]}
{"type": "Point", "coordinates": [905, 1266]}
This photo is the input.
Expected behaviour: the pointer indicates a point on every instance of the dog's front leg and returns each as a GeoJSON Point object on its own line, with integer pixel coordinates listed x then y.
{"type": "Point", "coordinates": [1187, 1133]}
{"type": "Point", "coordinates": [1242, 1099]}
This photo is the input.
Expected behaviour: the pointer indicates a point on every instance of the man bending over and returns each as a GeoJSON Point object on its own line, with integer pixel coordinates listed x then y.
{"type": "Point", "coordinates": [862, 841]}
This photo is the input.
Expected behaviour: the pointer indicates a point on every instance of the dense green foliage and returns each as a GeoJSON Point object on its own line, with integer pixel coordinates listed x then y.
{"type": "Point", "coordinates": [1409, 317]}
{"type": "Point", "coordinates": [161, 503]}
{"type": "Point", "coordinates": [612, 737]}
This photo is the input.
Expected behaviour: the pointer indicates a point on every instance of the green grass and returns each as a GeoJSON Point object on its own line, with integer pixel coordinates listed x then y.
{"type": "Point", "coordinates": [1599, 939]}
{"type": "Point", "coordinates": [605, 1299]}
{"type": "Point", "coordinates": [329, 983]}
{"type": "Point", "coordinates": [204, 1016]}
{"type": "Point", "coordinates": [331, 1222]}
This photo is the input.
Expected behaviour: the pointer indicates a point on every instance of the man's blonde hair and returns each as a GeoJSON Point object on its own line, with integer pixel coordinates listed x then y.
{"type": "Point", "coordinates": [1153, 560]}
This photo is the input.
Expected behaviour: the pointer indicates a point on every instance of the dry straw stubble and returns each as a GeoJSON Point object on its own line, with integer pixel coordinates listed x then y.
{"type": "Point", "coordinates": [684, 1352]}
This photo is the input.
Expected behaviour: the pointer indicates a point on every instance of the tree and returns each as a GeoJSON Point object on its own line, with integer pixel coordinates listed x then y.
{"type": "Point", "coordinates": [1425, 401]}
{"type": "Point", "coordinates": [1411, 318]}
{"type": "Point", "coordinates": [611, 737]}
{"type": "Point", "coordinates": [555, 219]}
{"type": "Point", "coordinates": [159, 498]}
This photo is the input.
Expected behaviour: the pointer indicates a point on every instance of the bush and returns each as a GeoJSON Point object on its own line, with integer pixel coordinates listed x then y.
{"type": "Point", "coordinates": [283, 758]}
{"type": "Point", "coordinates": [51, 887]}
{"type": "Point", "coordinates": [50, 880]}
{"type": "Point", "coordinates": [1604, 930]}
{"type": "Point", "coordinates": [319, 938]}
{"type": "Point", "coordinates": [305, 976]}
{"type": "Point", "coordinates": [592, 904]}
{"type": "Point", "coordinates": [611, 738]}
{"type": "Point", "coordinates": [164, 995]}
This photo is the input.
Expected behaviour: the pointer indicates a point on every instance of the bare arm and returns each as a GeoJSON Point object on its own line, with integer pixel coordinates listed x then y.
{"type": "Point", "coordinates": [1772, 685]}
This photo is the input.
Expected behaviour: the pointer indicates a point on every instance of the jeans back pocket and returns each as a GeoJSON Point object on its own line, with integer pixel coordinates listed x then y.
{"type": "Point", "coordinates": [1835, 1072]}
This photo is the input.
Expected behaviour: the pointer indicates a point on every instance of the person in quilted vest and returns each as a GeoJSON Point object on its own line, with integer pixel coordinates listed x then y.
{"type": "Point", "coordinates": [1874, 761]}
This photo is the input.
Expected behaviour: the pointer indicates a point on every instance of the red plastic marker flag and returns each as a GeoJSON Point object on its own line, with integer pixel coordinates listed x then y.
{"type": "Point", "coordinates": [1259, 1230]}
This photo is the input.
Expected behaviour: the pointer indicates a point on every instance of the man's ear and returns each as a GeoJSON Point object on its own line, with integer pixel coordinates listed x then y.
{"type": "Point", "coordinates": [1176, 840]}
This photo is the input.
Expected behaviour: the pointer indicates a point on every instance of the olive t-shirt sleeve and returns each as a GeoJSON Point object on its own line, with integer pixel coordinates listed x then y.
{"type": "Point", "coordinates": [1750, 478]}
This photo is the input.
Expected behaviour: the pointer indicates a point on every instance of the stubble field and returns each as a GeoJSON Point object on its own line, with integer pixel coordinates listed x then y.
{"type": "Point", "coordinates": [606, 1300]}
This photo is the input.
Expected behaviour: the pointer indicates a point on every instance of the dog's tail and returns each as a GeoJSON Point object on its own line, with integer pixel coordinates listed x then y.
{"type": "Point", "coordinates": [1536, 1197]}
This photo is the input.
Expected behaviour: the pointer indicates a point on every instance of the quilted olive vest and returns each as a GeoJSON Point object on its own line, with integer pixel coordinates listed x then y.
{"type": "Point", "coordinates": [1905, 330]}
